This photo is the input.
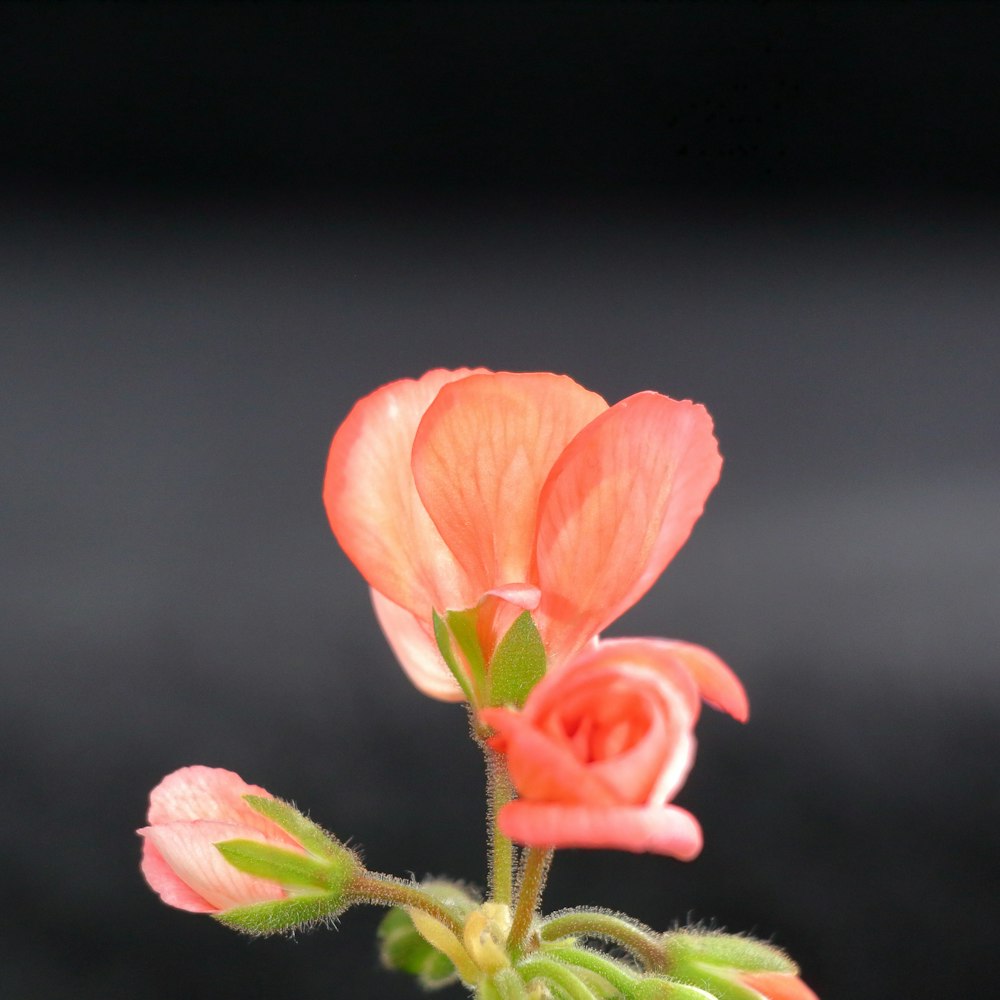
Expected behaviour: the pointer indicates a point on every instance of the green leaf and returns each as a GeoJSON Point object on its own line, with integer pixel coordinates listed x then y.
{"type": "Point", "coordinates": [276, 864]}
{"type": "Point", "coordinates": [294, 913]}
{"type": "Point", "coordinates": [443, 637]}
{"type": "Point", "coordinates": [463, 627]}
{"type": "Point", "coordinates": [518, 663]}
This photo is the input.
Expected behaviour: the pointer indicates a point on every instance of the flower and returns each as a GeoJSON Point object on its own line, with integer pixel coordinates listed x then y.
{"type": "Point", "coordinates": [504, 492]}
{"type": "Point", "coordinates": [191, 811]}
{"type": "Point", "coordinates": [598, 751]}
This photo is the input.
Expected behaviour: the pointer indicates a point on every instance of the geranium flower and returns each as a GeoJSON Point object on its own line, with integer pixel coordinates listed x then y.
{"type": "Point", "coordinates": [191, 811]}
{"type": "Point", "coordinates": [598, 751]}
{"type": "Point", "coordinates": [504, 492]}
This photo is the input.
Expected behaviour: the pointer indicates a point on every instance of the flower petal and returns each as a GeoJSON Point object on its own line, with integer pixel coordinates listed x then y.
{"type": "Point", "coordinates": [211, 793]}
{"type": "Point", "coordinates": [777, 986]}
{"type": "Point", "coordinates": [165, 883]}
{"type": "Point", "coordinates": [618, 504]}
{"type": "Point", "coordinates": [373, 506]}
{"type": "Point", "coordinates": [627, 677]}
{"type": "Point", "coordinates": [718, 685]}
{"type": "Point", "coordinates": [481, 454]}
{"type": "Point", "coordinates": [188, 849]}
{"type": "Point", "coordinates": [541, 768]}
{"type": "Point", "coordinates": [659, 829]}
{"type": "Point", "coordinates": [416, 650]}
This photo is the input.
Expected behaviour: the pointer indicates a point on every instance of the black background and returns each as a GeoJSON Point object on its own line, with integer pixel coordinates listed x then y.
{"type": "Point", "coordinates": [223, 224]}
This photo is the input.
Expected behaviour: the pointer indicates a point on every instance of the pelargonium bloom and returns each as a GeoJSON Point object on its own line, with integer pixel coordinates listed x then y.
{"type": "Point", "coordinates": [512, 491]}
{"type": "Point", "coordinates": [598, 751]}
{"type": "Point", "coordinates": [191, 811]}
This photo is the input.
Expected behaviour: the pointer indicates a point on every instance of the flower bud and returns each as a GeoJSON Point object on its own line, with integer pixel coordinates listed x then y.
{"type": "Point", "coordinates": [733, 967]}
{"type": "Point", "coordinates": [215, 844]}
{"type": "Point", "coordinates": [403, 948]}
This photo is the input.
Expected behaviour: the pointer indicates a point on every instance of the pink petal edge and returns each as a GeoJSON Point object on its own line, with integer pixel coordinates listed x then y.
{"type": "Point", "coordinates": [667, 830]}
{"type": "Point", "coordinates": [416, 650]}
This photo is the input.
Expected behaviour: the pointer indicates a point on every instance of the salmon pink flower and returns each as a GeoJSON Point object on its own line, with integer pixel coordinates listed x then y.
{"type": "Point", "coordinates": [215, 844]}
{"type": "Point", "coordinates": [505, 492]}
{"type": "Point", "coordinates": [598, 751]}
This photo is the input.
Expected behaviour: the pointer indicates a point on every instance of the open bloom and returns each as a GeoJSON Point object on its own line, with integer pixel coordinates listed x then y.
{"type": "Point", "coordinates": [507, 492]}
{"type": "Point", "coordinates": [598, 751]}
{"type": "Point", "coordinates": [191, 811]}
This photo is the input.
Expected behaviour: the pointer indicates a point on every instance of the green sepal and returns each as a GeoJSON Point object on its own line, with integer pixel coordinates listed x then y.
{"type": "Point", "coordinates": [294, 913]}
{"type": "Point", "coordinates": [518, 663]}
{"type": "Point", "coordinates": [462, 625]}
{"type": "Point", "coordinates": [442, 635]}
{"type": "Point", "coordinates": [278, 864]}
{"type": "Point", "coordinates": [724, 951]}
{"type": "Point", "coordinates": [309, 834]}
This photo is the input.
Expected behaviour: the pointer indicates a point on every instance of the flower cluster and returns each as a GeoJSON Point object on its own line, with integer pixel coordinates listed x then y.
{"type": "Point", "coordinates": [503, 521]}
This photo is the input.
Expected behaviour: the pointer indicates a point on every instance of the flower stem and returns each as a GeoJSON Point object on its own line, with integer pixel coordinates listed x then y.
{"type": "Point", "coordinates": [501, 858]}
{"type": "Point", "coordinates": [635, 937]}
{"type": "Point", "coordinates": [385, 890]}
{"type": "Point", "coordinates": [614, 973]}
{"type": "Point", "coordinates": [534, 869]}
{"type": "Point", "coordinates": [546, 969]}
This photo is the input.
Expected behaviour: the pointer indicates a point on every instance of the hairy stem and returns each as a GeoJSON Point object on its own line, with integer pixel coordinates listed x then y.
{"type": "Point", "coordinates": [534, 870]}
{"type": "Point", "coordinates": [567, 980]}
{"type": "Point", "coordinates": [641, 941]}
{"type": "Point", "coordinates": [385, 890]}
{"type": "Point", "coordinates": [501, 859]}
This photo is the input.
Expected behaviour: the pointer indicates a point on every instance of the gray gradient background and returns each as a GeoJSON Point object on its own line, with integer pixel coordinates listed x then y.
{"type": "Point", "coordinates": [221, 226]}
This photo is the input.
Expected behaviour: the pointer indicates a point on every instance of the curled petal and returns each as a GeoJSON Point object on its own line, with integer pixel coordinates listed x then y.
{"type": "Point", "coordinates": [718, 685]}
{"type": "Point", "coordinates": [416, 650]}
{"type": "Point", "coordinates": [481, 454]}
{"type": "Point", "coordinates": [543, 768]}
{"type": "Point", "coordinates": [373, 506]}
{"type": "Point", "coordinates": [627, 690]}
{"type": "Point", "coordinates": [666, 830]}
{"type": "Point", "coordinates": [618, 504]}
{"type": "Point", "coordinates": [777, 986]}
{"type": "Point", "coordinates": [188, 850]}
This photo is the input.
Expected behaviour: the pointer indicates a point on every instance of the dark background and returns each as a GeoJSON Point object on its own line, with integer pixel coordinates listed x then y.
{"type": "Point", "coordinates": [223, 224]}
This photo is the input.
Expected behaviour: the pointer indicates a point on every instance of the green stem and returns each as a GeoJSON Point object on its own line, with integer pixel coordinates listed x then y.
{"type": "Point", "coordinates": [535, 868]}
{"type": "Point", "coordinates": [635, 937]}
{"type": "Point", "coordinates": [607, 968]}
{"type": "Point", "coordinates": [565, 979]}
{"type": "Point", "coordinates": [501, 860]}
{"type": "Point", "coordinates": [385, 890]}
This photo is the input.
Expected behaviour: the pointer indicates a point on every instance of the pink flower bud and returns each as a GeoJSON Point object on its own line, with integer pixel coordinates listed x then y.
{"type": "Point", "coordinates": [191, 811]}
